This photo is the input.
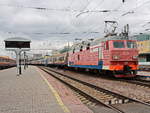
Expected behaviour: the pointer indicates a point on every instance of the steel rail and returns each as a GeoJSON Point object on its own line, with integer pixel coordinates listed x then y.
{"type": "Point", "coordinates": [81, 92]}
{"type": "Point", "coordinates": [101, 89]}
{"type": "Point", "coordinates": [137, 82]}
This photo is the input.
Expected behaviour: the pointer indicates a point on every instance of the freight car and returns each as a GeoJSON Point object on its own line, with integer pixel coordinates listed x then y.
{"type": "Point", "coordinates": [6, 62]}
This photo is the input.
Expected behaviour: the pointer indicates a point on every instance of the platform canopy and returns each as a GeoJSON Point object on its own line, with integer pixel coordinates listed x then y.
{"type": "Point", "coordinates": [17, 42]}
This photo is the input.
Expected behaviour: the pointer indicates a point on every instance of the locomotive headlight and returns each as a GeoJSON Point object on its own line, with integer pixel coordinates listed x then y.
{"type": "Point", "coordinates": [135, 57]}
{"type": "Point", "coordinates": [115, 57]}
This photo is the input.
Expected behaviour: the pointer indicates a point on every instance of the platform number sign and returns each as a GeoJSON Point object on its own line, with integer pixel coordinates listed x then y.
{"type": "Point", "coordinates": [17, 44]}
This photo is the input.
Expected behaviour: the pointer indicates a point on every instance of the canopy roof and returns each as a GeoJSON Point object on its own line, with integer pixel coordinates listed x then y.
{"type": "Point", "coordinates": [19, 39]}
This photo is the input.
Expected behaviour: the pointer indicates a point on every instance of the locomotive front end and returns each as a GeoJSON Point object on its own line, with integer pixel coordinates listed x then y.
{"type": "Point", "coordinates": [124, 58]}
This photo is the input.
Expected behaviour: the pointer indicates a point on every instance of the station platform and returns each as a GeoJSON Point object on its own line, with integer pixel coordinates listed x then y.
{"type": "Point", "coordinates": [32, 92]}
{"type": "Point", "coordinates": [145, 75]}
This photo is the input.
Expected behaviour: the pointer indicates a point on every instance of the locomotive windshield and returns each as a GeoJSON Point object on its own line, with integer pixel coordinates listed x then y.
{"type": "Point", "coordinates": [118, 44]}
{"type": "Point", "coordinates": [131, 44]}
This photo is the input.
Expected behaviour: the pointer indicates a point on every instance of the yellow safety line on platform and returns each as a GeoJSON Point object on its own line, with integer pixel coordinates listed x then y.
{"type": "Point", "coordinates": [65, 109]}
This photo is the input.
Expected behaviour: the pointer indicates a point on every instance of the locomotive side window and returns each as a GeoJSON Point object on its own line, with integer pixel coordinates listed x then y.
{"type": "Point", "coordinates": [118, 44]}
{"type": "Point", "coordinates": [81, 48]}
{"type": "Point", "coordinates": [131, 44]}
{"type": "Point", "coordinates": [88, 46]}
{"type": "Point", "coordinates": [74, 50]}
{"type": "Point", "coordinates": [78, 57]}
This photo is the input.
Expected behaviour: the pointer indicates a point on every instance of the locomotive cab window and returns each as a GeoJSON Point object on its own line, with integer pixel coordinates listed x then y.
{"type": "Point", "coordinates": [118, 44]}
{"type": "Point", "coordinates": [131, 44]}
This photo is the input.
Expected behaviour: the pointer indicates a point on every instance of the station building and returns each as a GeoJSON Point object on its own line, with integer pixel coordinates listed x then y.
{"type": "Point", "coordinates": [144, 48]}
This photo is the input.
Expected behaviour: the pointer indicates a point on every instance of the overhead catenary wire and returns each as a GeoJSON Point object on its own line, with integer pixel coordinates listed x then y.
{"type": "Point", "coordinates": [106, 12]}
{"type": "Point", "coordinates": [41, 33]}
{"type": "Point", "coordinates": [42, 8]}
{"type": "Point", "coordinates": [84, 8]}
{"type": "Point", "coordinates": [64, 10]}
{"type": "Point", "coordinates": [96, 11]}
{"type": "Point", "coordinates": [131, 11]}
{"type": "Point", "coordinates": [85, 18]}
{"type": "Point", "coordinates": [45, 8]}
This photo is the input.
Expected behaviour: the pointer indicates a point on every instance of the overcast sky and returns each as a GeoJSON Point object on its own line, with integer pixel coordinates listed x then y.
{"type": "Point", "coordinates": [61, 21]}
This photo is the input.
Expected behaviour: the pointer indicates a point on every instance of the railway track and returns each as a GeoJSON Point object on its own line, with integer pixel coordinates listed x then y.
{"type": "Point", "coordinates": [140, 83]}
{"type": "Point", "coordinates": [92, 92]}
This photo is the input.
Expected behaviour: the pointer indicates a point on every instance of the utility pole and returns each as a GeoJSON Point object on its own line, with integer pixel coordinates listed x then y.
{"type": "Point", "coordinates": [24, 60]}
{"type": "Point", "coordinates": [20, 63]}
{"type": "Point", "coordinates": [27, 61]}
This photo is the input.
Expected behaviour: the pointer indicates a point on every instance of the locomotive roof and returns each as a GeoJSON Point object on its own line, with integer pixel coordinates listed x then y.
{"type": "Point", "coordinates": [97, 40]}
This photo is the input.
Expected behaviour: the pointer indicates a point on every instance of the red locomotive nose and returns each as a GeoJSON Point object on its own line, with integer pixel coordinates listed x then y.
{"type": "Point", "coordinates": [123, 57]}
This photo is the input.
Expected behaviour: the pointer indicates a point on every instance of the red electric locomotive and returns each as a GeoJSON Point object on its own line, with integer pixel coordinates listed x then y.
{"type": "Point", "coordinates": [114, 57]}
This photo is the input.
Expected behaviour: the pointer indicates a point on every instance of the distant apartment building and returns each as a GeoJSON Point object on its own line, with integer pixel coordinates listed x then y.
{"type": "Point", "coordinates": [144, 47]}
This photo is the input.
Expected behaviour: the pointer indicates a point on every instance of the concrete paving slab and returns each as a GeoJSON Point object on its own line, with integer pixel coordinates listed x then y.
{"type": "Point", "coordinates": [27, 93]}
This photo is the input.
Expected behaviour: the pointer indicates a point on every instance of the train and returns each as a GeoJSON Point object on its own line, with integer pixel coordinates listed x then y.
{"type": "Point", "coordinates": [117, 58]}
{"type": "Point", "coordinates": [6, 62]}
